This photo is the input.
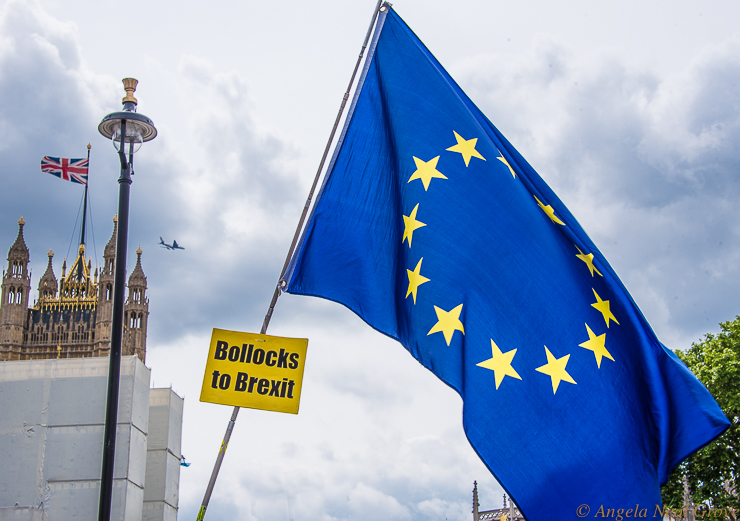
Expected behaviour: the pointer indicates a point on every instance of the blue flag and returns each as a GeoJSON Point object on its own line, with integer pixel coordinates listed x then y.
{"type": "Point", "coordinates": [435, 231]}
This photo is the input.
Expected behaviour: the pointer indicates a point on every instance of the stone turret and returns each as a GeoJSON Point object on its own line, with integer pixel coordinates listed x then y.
{"type": "Point", "coordinates": [476, 505]}
{"type": "Point", "coordinates": [16, 287]}
{"type": "Point", "coordinates": [48, 284]}
{"type": "Point", "coordinates": [105, 295]}
{"type": "Point", "coordinates": [136, 312]}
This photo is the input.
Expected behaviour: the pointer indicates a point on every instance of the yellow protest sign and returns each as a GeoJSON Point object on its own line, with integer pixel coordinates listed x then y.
{"type": "Point", "coordinates": [257, 371]}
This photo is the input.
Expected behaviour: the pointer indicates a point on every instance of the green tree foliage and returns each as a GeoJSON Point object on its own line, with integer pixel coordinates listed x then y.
{"type": "Point", "coordinates": [712, 471]}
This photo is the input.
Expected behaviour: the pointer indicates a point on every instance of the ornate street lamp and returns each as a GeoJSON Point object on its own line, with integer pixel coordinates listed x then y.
{"type": "Point", "coordinates": [128, 130]}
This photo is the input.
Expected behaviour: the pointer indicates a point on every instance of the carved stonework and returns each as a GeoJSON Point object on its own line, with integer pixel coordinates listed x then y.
{"type": "Point", "coordinates": [72, 316]}
{"type": "Point", "coordinates": [506, 513]}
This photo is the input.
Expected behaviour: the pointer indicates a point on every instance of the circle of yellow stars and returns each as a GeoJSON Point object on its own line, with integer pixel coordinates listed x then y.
{"type": "Point", "coordinates": [448, 322]}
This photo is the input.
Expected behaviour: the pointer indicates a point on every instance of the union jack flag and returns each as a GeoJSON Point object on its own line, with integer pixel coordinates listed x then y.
{"type": "Point", "coordinates": [74, 170]}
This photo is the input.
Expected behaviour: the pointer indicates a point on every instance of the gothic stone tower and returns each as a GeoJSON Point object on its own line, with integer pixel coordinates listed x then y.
{"type": "Point", "coordinates": [136, 312]}
{"type": "Point", "coordinates": [16, 287]}
{"type": "Point", "coordinates": [72, 317]}
{"type": "Point", "coordinates": [101, 347]}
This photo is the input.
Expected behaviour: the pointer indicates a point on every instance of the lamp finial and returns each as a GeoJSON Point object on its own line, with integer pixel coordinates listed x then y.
{"type": "Point", "coordinates": [129, 84]}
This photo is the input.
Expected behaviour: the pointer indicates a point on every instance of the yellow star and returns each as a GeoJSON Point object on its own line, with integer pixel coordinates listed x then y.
{"type": "Point", "coordinates": [466, 148]}
{"type": "Point", "coordinates": [500, 364]}
{"type": "Point", "coordinates": [555, 369]}
{"type": "Point", "coordinates": [603, 307]}
{"type": "Point", "coordinates": [587, 258]}
{"type": "Point", "coordinates": [597, 344]}
{"type": "Point", "coordinates": [426, 170]}
{"type": "Point", "coordinates": [416, 280]}
{"type": "Point", "coordinates": [504, 161]}
{"type": "Point", "coordinates": [410, 224]}
{"type": "Point", "coordinates": [550, 212]}
{"type": "Point", "coordinates": [448, 322]}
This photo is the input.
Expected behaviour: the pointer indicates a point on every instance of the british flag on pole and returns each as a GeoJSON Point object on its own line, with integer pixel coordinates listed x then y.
{"type": "Point", "coordinates": [69, 169]}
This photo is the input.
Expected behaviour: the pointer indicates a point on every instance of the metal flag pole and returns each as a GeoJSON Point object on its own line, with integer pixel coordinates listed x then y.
{"type": "Point", "coordinates": [84, 204]}
{"type": "Point", "coordinates": [84, 215]}
{"type": "Point", "coordinates": [276, 294]}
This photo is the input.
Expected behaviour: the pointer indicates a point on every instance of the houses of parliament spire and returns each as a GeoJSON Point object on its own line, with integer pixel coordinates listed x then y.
{"type": "Point", "coordinates": [72, 316]}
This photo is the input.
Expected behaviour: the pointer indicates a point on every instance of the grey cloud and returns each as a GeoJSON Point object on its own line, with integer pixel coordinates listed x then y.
{"type": "Point", "coordinates": [50, 108]}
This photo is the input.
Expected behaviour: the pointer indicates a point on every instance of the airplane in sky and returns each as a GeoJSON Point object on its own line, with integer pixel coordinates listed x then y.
{"type": "Point", "coordinates": [173, 246]}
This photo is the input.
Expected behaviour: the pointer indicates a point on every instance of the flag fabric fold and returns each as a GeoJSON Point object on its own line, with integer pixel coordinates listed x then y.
{"type": "Point", "coordinates": [74, 170]}
{"type": "Point", "coordinates": [434, 230]}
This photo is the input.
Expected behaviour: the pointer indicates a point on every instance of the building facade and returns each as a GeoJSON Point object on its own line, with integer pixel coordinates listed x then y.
{"type": "Point", "coordinates": [71, 318]}
{"type": "Point", "coordinates": [51, 442]}
{"type": "Point", "coordinates": [506, 513]}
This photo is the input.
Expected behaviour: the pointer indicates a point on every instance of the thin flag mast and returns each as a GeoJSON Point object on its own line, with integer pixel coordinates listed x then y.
{"type": "Point", "coordinates": [84, 216]}
{"type": "Point", "coordinates": [380, 6]}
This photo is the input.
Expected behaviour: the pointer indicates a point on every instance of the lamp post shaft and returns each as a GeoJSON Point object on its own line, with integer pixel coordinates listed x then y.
{"type": "Point", "coordinates": [114, 368]}
{"type": "Point", "coordinates": [142, 130]}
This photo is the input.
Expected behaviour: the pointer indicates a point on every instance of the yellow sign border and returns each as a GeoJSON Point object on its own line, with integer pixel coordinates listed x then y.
{"type": "Point", "coordinates": [255, 371]}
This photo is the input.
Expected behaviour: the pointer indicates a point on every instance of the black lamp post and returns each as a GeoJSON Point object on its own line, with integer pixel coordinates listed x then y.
{"type": "Point", "coordinates": [128, 130]}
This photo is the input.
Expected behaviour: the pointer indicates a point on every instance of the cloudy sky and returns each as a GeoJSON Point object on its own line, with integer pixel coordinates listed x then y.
{"type": "Point", "coordinates": [630, 112]}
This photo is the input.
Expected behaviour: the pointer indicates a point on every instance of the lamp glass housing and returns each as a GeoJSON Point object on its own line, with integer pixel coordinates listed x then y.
{"type": "Point", "coordinates": [133, 136]}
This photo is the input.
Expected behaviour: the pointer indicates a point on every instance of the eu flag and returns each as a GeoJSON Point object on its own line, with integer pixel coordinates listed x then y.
{"type": "Point", "coordinates": [435, 231]}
